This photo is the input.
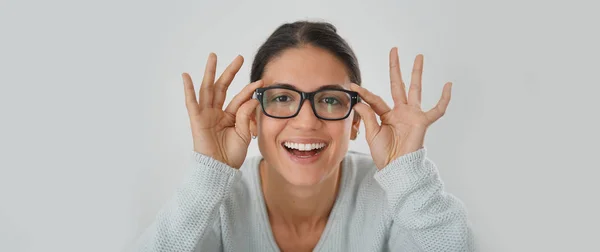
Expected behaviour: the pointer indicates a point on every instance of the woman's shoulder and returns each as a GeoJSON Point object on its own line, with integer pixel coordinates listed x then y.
{"type": "Point", "coordinates": [359, 184]}
{"type": "Point", "coordinates": [246, 189]}
{"type": "Point", "coordinates": [360, 160]}
{"type": "Point", "coordinates": [358, 169]}
{"type": "Point", "coordinates": [250, 165]}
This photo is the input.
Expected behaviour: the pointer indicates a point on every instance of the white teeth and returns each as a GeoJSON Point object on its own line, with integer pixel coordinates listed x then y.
{"type": "Point", "coordinates": [304, 147]}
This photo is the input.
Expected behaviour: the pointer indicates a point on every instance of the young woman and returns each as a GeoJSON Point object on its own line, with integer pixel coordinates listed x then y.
{"type": "Point", "coordinates": [306, 192]}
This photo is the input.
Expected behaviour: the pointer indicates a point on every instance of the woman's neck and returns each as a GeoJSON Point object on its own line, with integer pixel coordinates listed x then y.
{"type": "Point", "coordinates": [298, 205]}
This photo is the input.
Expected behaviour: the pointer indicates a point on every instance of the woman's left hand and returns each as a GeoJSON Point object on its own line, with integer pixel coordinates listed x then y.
{"type": "Point", "coordinates": [403, 127]}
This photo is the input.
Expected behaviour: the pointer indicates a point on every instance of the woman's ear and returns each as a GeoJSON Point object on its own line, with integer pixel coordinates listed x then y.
{"type": "Point", "coordinates": [355, 126]}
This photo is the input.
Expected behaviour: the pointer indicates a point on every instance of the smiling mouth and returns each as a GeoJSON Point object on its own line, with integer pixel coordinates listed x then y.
{"type": "Point", "coordinates": [304, 150]}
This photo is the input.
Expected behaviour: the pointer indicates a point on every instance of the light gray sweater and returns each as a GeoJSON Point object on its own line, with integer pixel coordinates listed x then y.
{"type": "Point", "coordinates": [401, 207]}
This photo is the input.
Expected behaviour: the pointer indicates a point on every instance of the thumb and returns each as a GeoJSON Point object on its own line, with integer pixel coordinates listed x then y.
{"type": "Point", "coordinates": [242, 119]}
{"type": "Point", "coordinates": [368, 116]}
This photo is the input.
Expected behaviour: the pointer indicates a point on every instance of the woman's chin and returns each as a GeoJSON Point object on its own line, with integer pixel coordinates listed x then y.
{"type": "Point", "coordinates": [304, 170]}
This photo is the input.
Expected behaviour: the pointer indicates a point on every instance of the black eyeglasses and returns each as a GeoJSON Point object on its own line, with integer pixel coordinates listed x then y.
{"type": "Point", "coordinates": [327, 104]}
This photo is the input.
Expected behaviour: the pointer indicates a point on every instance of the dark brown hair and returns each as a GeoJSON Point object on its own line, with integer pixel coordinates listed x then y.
{"type": "Point", "coordinates": [301, 33]}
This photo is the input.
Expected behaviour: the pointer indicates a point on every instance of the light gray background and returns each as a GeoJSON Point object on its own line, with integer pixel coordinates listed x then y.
{"type": "Point", "coordinates": [94, 134]}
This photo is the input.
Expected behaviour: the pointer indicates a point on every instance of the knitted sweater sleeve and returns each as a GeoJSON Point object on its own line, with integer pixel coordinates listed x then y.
{"type": "Point", "coordinates": [423, 216]}
{"type": "Point", "coordinates": [190, 220]}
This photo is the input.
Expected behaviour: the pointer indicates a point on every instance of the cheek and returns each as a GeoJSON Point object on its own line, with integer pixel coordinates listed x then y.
{"type": "Point", "coordinates": [340, 131]}
{"type": "Point", "coordinates": [268, 130]}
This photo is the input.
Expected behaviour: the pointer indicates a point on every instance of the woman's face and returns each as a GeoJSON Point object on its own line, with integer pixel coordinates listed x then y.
{"type": "Point", "coordinates": [307, 69]}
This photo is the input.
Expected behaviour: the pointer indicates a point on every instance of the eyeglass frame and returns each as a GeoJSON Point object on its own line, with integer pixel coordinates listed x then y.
{"type": "Point", "coordinates": [354, 99]}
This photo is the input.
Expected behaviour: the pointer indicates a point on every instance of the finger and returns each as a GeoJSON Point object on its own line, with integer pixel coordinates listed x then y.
{"type": "Point", "coordinates": [222, 84]}
{"type": "Point", "coordinates": [206, 90]}
{"type": "Point", "coordinates": [368, 116]}
{"type": "Point", "coordinates": [396, 83]}
{"type": "Point", "coordinates": [242, 119]}
{"type": "Point", "coordinates": [190, 96]}
{"type": "Point", "coordinates": [414, 94]}
{"type": "Point", "coordinates": [440, 109]}
{"type": "Point", "coordinates": [378, 104]}
{"type": "Point", "coordinates": [243, 96]}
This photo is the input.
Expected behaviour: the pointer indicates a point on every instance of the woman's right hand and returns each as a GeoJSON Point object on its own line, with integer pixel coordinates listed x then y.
{"type": "Point", "coordinates": [221, 134]}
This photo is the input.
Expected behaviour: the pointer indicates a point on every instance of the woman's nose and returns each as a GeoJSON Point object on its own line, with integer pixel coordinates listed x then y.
{"type": "Point", "coordinates": [306, 118]}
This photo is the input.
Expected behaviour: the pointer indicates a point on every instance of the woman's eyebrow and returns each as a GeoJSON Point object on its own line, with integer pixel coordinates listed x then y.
{"type": "Point", "coordinates": [330, 86]}
{"type": "Point", "coordinates": [283, 85]}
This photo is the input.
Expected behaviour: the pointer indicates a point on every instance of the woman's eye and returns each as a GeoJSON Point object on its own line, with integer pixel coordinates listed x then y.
{"type": "Point", "coordinates": [282, 98]}
{"type": "Point", "coordinates": [330, 100]}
